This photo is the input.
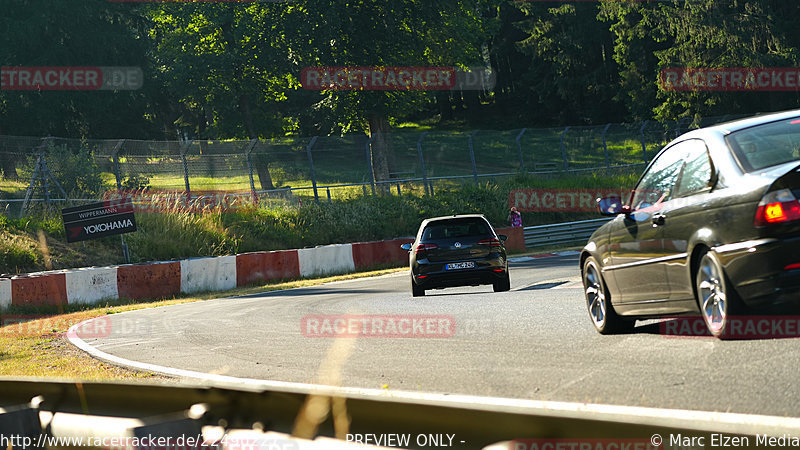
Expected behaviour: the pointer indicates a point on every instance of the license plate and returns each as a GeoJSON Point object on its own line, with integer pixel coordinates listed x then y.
{"type": "Point", "coordinates": [461, 265]}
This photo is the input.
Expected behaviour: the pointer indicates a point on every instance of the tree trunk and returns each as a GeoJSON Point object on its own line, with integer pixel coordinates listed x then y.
{"type": "Point", "coordinates": [445, 108]}
{"type": "Point", "coordinates": [8, 163]}
{"type": "Point", "coordinates": [382, 153]}
{"type": "Point", "coordinates": [260, 162]}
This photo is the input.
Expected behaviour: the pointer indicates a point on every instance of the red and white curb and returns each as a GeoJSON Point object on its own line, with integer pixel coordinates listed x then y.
{"type": "Point", "coordinates": [167, 279]}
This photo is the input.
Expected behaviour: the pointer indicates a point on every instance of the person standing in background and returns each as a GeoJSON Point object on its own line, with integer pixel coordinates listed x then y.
{"type": "Point", "coordinates": [515, 217]}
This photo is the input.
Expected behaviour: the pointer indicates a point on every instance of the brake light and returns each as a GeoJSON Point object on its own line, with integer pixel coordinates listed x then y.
{"type": "Point", "coordinates": [491, 242]}
{"type": "Point", "coordinates": [777, 207]}
{"type": "Point", "coordinates": [423, 247]}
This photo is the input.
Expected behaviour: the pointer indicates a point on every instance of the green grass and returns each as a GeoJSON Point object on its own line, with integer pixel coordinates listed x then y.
{"type": "Point", "coordinates": [39, 348]}
{"type": "Point", "coordinates": [173, 233]}
{"type": "Point", "coordinates": [341, 160]}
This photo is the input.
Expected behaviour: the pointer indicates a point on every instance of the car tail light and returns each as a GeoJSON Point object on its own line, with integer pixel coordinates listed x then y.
{"type": "Point", "coordinates": [777, 207]}
{"type": "Point", "coordinates": [492, 242]}
{"type": "Point", "coordinates": [424, 247]}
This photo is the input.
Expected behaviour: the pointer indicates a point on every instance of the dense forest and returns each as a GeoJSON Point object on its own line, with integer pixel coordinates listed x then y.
{"type": "Point", "coordinates": [225, 70]}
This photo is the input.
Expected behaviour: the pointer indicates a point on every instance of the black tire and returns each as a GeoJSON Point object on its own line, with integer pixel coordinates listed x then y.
{"type": "Point", "coordinates": [598, 301]}
{"type": "Point", "coordinates": [503, 285]}
{"type": "Point", "coordinates": [716, 297]}
{"type": "Point", "coordinates": [416, 291]}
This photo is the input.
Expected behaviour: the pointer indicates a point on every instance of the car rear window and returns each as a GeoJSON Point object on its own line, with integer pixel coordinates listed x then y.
{"type": "Point", "coordinates": [767, 145]}
{"type": "Point", "coordinates": [455, 228]}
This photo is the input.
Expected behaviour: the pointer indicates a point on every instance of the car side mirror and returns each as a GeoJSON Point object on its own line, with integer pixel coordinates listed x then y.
{"type": "Point", "coordinates": [502, 237]}
{"type": "Point", "coordinates": [612, 206]}
{"type": "Point", "coordinates": [406, 247]}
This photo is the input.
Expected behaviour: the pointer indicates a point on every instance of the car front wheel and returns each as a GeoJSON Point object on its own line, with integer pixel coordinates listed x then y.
{"type": "Point", "coordinates": [598, 301]}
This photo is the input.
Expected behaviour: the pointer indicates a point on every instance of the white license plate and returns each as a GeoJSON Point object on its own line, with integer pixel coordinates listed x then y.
{"type": "Point", "coordinates": [461, 265]}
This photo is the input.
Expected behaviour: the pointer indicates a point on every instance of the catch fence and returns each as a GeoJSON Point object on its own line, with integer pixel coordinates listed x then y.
{"type": "Point", "coordinates": [297, 169]}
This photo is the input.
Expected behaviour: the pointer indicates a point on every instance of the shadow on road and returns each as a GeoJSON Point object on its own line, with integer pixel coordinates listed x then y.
{"type": "Point", "coordinates": [745, 328]}
{"type": "Point", "coordinates": [298, 292]}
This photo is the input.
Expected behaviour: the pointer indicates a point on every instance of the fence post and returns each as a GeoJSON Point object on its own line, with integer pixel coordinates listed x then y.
{"type": "Point", "coordinates": [115, 158]}
{"type": "Point", "coordinates": [369, 163]}
{"type": "Point", "coordinates": [118, 176]}
{"type": "Point", "coordinates": [422, 162]}
{"type": "Point", "coordinates": [564, 149]}
{"type": "Point", "coordinates": [45, 184]}
{"type": "Point", "coordinates": [605, 145]}
{"type": "Point", "coordinates": [311, 167]}
{"type": "Point", "coordinates": [37, 172]}
{"type": "Point", "coordinates": [46, 171]}
{"type": "Point", "coordinates": [248, 153]}
{"type": "Point", "coordinates": [472, 157]}
{"type": "Point", "coordinates": [519, 150]}
{"type": "Point", "coordinates": [185, 148]}
{"type": "Point", "coordinates": [641, 138]}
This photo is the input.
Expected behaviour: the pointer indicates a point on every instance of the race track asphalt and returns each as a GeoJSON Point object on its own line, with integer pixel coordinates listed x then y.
{"type": "Point", "coordinates": [534, 342]}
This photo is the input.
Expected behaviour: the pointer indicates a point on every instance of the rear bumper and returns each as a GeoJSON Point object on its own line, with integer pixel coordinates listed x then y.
{"type": "Point", "coordinates": [433, 275]}
{"type": "Point", "coordinates": [758, 270]}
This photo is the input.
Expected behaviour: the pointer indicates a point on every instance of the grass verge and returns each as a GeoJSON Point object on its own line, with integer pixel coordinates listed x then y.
{"type": "Point", "coordinates": [179, 234]}
{"type": "Point", "coordinates": [38, 347]}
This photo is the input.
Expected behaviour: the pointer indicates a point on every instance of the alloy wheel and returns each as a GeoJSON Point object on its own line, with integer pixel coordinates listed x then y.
{"type": "Point", "coordinates": [712, 295]}
{"type": "Point", "coordinates": [595, 295]}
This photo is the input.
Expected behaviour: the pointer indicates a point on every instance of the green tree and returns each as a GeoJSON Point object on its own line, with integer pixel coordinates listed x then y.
{"type": "Point", "coordinates": [703, 33]}
{"type": "Point", "coordinates": [70, 33]}
{"type": "Point", "coordinates": [385, 33]}
{"type": "Point", "coordinates": [227, 66]}
{"type": "Point", "coordinates": [573, 74]}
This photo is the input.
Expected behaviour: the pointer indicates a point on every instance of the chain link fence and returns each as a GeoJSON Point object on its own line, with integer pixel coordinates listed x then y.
{"type": "Point", "coordinates": [296, 169]}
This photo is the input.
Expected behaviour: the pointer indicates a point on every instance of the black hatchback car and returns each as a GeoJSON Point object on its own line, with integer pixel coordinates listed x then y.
{"type": "Point", "coordinates": [461, 250]}
{"type": "Point", "coordinates": [713, 226]}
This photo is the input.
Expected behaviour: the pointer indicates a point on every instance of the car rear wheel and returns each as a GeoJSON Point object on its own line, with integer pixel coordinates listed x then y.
{"type": "Point", "coordinates": [715, 296]}
{"type": "Point", "coordinates": [598, 302]}
{"type": "Point", "coordinates": [502, 285]}
{"type": "Point", "coordinates": [416, 291]}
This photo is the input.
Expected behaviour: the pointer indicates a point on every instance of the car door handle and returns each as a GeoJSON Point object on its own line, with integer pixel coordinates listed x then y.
{"type": "Point", "coordinates": [659, 219]}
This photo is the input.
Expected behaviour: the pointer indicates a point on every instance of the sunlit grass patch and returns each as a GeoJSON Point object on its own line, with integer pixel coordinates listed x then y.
{"type": "Point", "coordinates": [39, 348]}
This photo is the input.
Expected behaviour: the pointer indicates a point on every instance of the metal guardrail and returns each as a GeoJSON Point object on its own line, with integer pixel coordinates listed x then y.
{"type": "Point", "coordinates": [318, 414]}
{"type": "Point", "coordinates": [561, 233]}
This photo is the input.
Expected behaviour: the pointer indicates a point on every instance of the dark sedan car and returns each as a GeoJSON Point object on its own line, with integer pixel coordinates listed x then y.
{"type": "Point", "coordinates": [713, 226]}
{"type": "Point", "coordinates": [461, 250]}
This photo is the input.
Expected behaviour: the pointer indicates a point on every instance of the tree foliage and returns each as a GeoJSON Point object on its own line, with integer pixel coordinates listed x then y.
{"type": "Point", "coordinates": [224, 70]}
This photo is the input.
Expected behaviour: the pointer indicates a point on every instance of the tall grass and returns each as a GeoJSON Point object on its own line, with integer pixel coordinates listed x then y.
{"type": "Point", "coordinates": [180, 235]}
{"type": "Point", "coordinates": [175, 233]}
